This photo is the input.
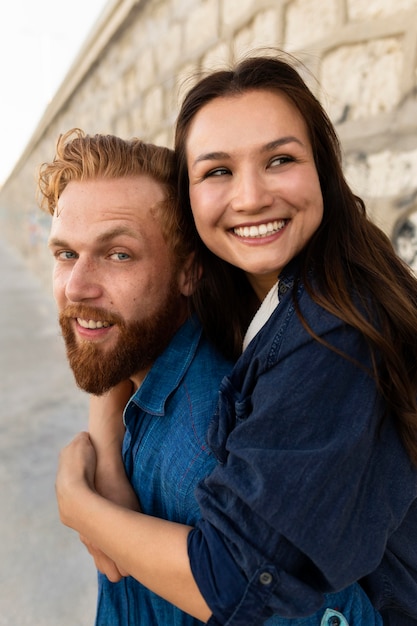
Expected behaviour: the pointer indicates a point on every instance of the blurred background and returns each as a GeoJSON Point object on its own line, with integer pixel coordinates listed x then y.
{"type": "Point", "coordinates": [122, 66]}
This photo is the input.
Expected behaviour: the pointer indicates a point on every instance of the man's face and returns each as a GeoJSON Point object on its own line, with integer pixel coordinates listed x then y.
{"type": "Point", "coordinates": [118, 292]}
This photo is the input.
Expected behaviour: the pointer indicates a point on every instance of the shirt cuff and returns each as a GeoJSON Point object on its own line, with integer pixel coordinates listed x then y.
{"type": "Point", "coordinates": [233, 599]}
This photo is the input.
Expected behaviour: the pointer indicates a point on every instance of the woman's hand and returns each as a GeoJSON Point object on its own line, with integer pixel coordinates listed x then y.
{"type": "Point", "coordinates": [152, 550]}
{"type": "Point", "coordinates": [105, 421]}
{"type": "Point", "coordinates": [76, 474]}
{"type": "Point", "coordinates": [103, 563]}
{"type": "Point", "coordinates": [76, 471]}
{"type": "Point", "coordinates": [106, 432]}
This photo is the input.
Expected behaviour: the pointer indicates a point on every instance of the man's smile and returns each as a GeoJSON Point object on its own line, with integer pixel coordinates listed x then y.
{"type": "Point", "coordinates": [93, 324]}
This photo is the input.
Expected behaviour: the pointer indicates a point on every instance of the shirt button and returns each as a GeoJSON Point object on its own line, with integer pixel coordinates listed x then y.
{"type": "Point", "coordinates": [265, 578]}
{"type": "Point", "coordinates": [334, 621]}
{"type": "Point", "coordinates": [282, 288]}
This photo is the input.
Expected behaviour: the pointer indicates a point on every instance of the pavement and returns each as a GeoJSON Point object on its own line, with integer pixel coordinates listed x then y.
{"type": "Point", "coordinates": [47, 577]}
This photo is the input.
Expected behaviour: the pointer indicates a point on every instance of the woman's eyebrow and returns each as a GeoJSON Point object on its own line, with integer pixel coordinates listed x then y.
{"type": "Point", "coordinates": [271, 145]}
{"type": "Point", "coordinates": [211, 156]}
{"type": "Point", "coordinates": [282, 141]}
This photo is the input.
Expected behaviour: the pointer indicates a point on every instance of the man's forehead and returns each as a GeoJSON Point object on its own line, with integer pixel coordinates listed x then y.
{"type": "Point", "coordinates": [141, 189]}
{"type": "Point", "coordinates": [106, 234]}
{"type": "Point", "coordinates": [101, 229]}
{"type": "Point", "coordinates": [120, 206]}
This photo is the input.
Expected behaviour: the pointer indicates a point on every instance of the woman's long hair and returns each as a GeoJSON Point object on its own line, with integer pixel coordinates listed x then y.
{"type": "Point", "coordinates": [357, 275]}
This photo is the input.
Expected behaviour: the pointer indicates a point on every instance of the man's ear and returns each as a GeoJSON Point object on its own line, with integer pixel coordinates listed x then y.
{"type": "Point", "coordinates": [189, 276]}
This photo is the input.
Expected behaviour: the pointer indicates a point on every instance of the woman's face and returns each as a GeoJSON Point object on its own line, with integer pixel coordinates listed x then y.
{"type": "Point", "coordinates": [254, 188]}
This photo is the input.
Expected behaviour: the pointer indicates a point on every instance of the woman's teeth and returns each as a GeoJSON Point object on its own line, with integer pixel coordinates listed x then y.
{"type": "Point", "coordinates": [261, 230]}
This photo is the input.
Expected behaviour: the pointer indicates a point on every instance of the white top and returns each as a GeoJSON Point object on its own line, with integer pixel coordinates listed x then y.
{"type": "Point", "coordinates": [262, 315]}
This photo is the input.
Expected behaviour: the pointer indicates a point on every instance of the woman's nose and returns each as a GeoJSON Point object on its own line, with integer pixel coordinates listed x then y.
{"type": "Point", "coordinates": [250, 193]}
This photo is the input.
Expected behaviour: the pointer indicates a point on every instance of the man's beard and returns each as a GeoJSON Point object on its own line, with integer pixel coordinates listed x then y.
{"type": "Point", "coordinates": [139, 344]}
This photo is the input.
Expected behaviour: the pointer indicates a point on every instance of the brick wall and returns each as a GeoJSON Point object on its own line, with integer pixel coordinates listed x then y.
{"type": "Point", "coordinates": [360, 59]}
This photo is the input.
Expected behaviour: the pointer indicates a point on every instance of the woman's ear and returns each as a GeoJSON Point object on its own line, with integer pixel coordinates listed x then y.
{"type": "Point", "coordinates": [189, 275]}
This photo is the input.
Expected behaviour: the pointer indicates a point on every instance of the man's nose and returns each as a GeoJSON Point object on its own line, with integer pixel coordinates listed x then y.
{"type": "Point", "coordinates": [83, 282]}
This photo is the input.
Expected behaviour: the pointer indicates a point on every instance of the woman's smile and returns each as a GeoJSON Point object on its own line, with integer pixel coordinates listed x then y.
{"type": "Point", "coordinates": [259, 231]}
{"type": "Point", "coordinates": [254, 188]}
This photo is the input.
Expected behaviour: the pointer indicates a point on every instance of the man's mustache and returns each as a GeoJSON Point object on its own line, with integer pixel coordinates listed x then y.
{"type": "Point", "coordinates": [87, 312]}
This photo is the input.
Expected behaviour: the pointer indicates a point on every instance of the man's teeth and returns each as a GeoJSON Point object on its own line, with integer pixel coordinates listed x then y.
{"type": "Point", "coordinates": [260, 231]}
{"type": "Point", "coordinates": [93, 324]}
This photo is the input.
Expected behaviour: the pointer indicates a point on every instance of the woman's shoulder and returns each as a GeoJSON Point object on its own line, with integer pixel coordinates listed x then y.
{"type": "Point", "coordinates": [301, 326]}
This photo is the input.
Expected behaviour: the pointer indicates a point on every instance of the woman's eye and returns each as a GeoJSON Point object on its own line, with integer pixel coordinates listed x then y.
{"type": "Point", "coordinates": [218, 171]}
{"type": "Point", "coordinates": [281, 160]}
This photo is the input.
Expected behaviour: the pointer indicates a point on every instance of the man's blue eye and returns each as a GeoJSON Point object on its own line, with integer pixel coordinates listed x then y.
{"type": "Point", "coordinates": [120, 256]}
{"type": "Point", "coordinates": [66, 254]}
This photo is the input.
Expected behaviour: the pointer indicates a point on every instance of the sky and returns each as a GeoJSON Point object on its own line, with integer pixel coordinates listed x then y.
{"type": "Point", "coordinates": [39, 40]}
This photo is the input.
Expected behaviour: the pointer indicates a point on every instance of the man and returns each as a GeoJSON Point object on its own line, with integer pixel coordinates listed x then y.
{"type": "Point", "coordinates": [123, 274]}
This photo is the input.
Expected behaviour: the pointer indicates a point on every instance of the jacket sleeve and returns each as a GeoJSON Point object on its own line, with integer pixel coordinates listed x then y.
{"type": "Point", "coordinates": [311, 481]}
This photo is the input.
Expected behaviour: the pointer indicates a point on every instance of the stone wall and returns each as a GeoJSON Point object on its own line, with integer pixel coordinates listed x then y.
{"type": "Point", "coordinates": [359, 57]}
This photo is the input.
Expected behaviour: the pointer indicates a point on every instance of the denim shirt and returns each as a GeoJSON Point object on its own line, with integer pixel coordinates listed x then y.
{"type": "Point", "coordinates": [166, 455]}
{"type": "Point", "coordinates": [313, 490]}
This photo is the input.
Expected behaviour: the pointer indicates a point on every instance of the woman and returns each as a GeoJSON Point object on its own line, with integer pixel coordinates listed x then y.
{"type": "Point", "coordinates": [315, 432]}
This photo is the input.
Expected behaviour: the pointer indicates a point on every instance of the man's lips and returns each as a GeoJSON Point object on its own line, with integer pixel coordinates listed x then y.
{"type": "Point", "coordinates": [93, 324]}
{"type": "Point", "coordinates": [92, 329]}
{"type": "Point", "coordinates": [89, 322]}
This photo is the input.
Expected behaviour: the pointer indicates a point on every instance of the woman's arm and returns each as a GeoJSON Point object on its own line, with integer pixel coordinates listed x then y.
{"type": "Point", "coordinates": [153, 551]}
{"type": "Point", "coordinates": [107, 430]}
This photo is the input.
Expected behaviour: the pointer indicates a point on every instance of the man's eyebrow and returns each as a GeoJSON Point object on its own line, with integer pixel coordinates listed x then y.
{"type": "Point", "coordinates": [271, 145]}
{"type": "Point", "coordinates": [54, 242]}
{"type": "Point", "coordinates": [118, 231]}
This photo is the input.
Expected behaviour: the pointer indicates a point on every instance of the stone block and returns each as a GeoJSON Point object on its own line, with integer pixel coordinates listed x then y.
{"type": "Point", "coordinates": [306, 23]}
{"type": "Point", "coordinates": [361, 80]}
{"type": "Point", "coordinates": [202, 26]}
{"type": "Point", "coordinates": [360, 10]}
{"type": "Point", "coordinates": [234, 11]}
{"type": "Point", "coordinates": [153, 109]}
{"type": "Point", "coordinates": [383, 174]}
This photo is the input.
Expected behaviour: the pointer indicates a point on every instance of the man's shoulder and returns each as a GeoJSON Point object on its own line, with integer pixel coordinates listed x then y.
{"type": "Point", "coordinates": [195, 349]}
{"type": "Point", "coordinates": [204, 371]}
{"type": "Point", "coordinates": [189, 360]}
{"type": "Point", "coordinates": [208, 365]}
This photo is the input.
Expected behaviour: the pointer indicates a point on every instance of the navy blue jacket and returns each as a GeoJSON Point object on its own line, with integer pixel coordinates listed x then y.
{"type": "Point", "coordinates": [313, 490]}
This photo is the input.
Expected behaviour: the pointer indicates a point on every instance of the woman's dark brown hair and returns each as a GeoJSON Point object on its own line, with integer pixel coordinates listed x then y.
{"type": "Point", "coordinates": [357, 274]}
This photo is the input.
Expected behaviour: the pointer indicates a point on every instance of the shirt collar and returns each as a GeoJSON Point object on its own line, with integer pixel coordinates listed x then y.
{"type": "Point", "coordinates": [169, 369]}
{"type": "Point", "coordinates": [268, 306]}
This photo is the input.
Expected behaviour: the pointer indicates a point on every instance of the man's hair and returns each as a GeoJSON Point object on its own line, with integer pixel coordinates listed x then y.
{"type": "Point", "coordinates": [81, 157]}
